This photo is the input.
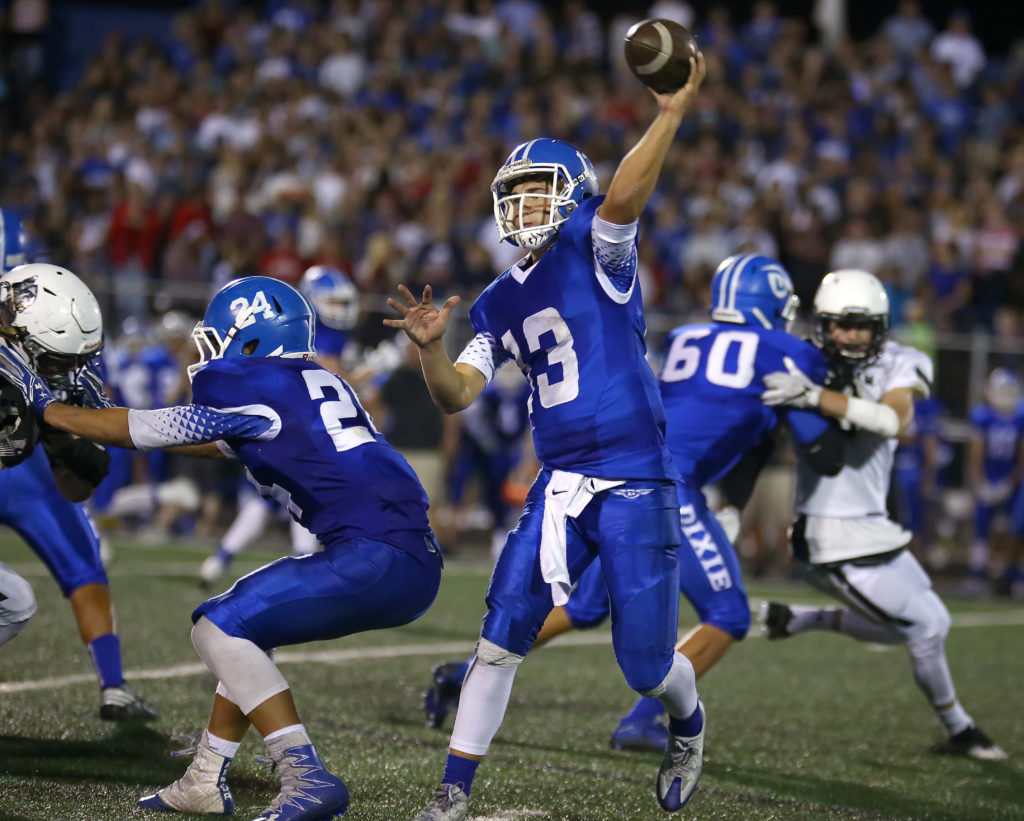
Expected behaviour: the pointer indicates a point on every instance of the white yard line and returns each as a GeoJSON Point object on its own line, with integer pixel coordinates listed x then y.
{"type": "Point", "coordinates": [1013, 618]}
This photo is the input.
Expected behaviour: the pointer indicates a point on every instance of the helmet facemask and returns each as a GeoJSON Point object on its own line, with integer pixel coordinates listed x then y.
{"type": "Point", "coordinates": [509, 207]}
{"type": "Point", "coordinates": [859, 355]}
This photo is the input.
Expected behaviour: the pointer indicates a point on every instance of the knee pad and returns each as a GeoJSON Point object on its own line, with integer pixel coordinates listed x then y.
{"type": "Point", "coordinates": [18, 604]}
{"type": "Point", "coordinates": [487, 652]}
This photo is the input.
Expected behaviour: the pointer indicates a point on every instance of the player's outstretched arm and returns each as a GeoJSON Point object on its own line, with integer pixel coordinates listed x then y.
{"type": "Point", "coordinates": [452, 387]}
{"type": "Point", "coordinates": [108, 426]}
{"type": "Point", "coordinates": [638, 172]}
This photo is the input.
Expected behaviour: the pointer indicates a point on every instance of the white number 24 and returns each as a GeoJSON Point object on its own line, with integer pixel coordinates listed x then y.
{"type": "Point", "coordinates": [684, 358]}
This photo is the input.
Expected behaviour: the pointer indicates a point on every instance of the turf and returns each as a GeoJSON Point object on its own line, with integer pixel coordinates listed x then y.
{"type": "Point", "coordinates": [811, 728]}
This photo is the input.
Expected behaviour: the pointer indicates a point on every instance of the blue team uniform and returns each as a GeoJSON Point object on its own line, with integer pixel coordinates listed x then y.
{"type": "Point", "coordinates": [58, 531]}
{"type": "Point", "coordinates": [330, 341]}
{"type": "Point", "coordinates": [595, 411]}
{"type": "Point", "coordinates": [1002, 437]}
{"type": "Point", "coordinates": [314, 449]}
{"type": "Point", "coordinates": [490, 444]}
{"type": "Point", "coordinates": [711, 383]}
{"type": "Point", "coordinates": [910, 461]}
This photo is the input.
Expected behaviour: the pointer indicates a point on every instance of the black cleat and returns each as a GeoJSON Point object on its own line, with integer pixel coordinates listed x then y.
{"type": "Point", "coordinates": [444, 692]}
{"type": "Point", "coordinates": [775, 618]}
{"type": "Point", "coordinates": [972, 743]}
{"type": "Point", "coordinates": [122, 704]}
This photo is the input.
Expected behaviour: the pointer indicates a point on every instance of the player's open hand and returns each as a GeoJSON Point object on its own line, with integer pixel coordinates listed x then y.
{"type": "Point", "coordinates": [422, 321]}
{"type": "Point", "coordinates": [680, 100]}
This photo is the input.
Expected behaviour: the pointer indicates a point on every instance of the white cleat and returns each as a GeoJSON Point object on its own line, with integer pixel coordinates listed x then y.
{"type": "Point", "coordinates": [211, 570]}
{"type": "Point", "coordinates": [202, 790]}
{"type": "Point", "coordinates": [680, 768]}
{"type": "Point", "coordinates": [449, 803]}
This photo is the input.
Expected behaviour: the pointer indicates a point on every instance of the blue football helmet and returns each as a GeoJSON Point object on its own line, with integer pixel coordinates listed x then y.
{"type": "Point", "coordinates": [13, 242]}
{"type": "Point", "coordinates": [749, 289]}
{"type": "Point", "coordinates": [254, 316]}
{"type": "Point", "coordinates": [570, 179]}
{"type": "Point", "coordinates": [332, 295]}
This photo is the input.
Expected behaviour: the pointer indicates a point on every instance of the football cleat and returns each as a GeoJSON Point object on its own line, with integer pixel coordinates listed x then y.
{"type": "Point", "coordinates": [123, 704]}
{"type": "Point", "coordinates": [211, 570]}
{"type": "Point", "coordinates": [680, 768]}
{"type": "Point", "coordinates": [448, 803]}
{"type": "Point", "coordinates": [775, 618]}
{"type": "Point", "coordinates": [972, 743]}
{"type": "Point", "coordinates": [308, 791]}
{"type": "Point", "coordinates": [444, 692]}
{"type": "Point", "coordinates": [203, 789]}
{"type": "Point", "coordinates": [651, 736]}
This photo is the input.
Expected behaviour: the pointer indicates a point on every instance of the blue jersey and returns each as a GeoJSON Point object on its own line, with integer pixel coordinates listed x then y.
{"type": "Point", "coordinates": [1001, 436]}
{"type": "Point", "coordinates": [594, 403]}
{"type": "Point", "coordinates": [927, 424]}
{"type": "Point", "coordinates": [329, 341]}
{"type": "Point", "coordinates": [144, 379]}
{"type": "Point", "coordinates": [712, 378]}
{"type": "Point", "coordinates": [321, 456]}
{"type": "Point", "coordinates": [498, 418]}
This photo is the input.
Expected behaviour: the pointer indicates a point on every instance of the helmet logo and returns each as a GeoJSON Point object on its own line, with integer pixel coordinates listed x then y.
{"type": "Point", "coordinates": [778, 283]}
{"type": "Point", "coordinates": [245, 313]}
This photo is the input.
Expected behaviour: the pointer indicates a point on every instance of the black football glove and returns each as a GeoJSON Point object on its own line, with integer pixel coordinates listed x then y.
{"type": "Point", "coordinates": [87, 460]}
{"type": "Point", "coordinates": [19, 431]}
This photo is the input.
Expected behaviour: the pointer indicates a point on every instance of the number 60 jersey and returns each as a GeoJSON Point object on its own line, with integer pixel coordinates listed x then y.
{"type": "Point", "coordinates": [712, 378]}
{"type": "Point", "coordinates": [305, 440]}
{"type": "Point", "coordinates": [578, 337]}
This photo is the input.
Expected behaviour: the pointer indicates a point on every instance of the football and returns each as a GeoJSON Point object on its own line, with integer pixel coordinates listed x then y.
{"type": "Point", "coordinates": [658, 52]}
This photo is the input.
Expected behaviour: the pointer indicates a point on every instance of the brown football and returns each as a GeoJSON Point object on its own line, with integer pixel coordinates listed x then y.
{"type": "Point", "coordinates": [658, 52]}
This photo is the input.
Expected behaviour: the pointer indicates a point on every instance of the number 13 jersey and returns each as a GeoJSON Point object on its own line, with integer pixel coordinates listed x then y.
{"type": "Point", "coordinates": [574, 324]}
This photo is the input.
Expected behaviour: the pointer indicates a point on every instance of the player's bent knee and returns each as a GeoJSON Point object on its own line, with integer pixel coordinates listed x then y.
{"type": "Point", "coordinates": [19, 602]}
{"type": "Point", "coordinates": [487, 652]}
{"type": "Point", "coordinates": [587, 620]}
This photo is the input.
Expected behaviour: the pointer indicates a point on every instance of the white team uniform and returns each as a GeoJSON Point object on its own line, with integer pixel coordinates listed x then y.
{"type": "Point", "coordinates": [17, 603]}
{"type": "Point", "coordinates": [845, 515]}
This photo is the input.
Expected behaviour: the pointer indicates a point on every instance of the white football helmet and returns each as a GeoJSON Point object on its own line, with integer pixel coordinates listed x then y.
{"type": "Point", "coordinates": [1003, 391]}
{"type": "Point", "coordinates": [54, 316]}
{"type": "Point", "coordinates": [851, 298]}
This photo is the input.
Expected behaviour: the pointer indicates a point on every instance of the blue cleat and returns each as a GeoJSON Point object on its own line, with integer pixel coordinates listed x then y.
{"type": "Point", "coordinates": [308, 791]}
{"type": "Point", "coordinates": [444, 692]}
{"type": "Point", "coordinates": [680, 768]}
{"type": "Point", "coordinates": [651, 736]}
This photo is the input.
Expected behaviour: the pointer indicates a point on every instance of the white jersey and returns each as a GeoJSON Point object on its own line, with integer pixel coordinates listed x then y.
{"type": "Point", "coordinates": [859, 490]}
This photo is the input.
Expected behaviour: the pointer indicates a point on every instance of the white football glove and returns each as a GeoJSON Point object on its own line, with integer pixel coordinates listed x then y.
{"type": "Point", "coordinates": [792, 388]}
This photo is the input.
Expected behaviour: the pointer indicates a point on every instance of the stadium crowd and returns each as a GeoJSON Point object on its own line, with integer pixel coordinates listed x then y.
{"type": "Point", "coordinates": [365, 134]}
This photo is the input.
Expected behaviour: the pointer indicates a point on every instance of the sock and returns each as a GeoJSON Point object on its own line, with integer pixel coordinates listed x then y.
{"type": "Point", "coordinates": [225, 556]}
{"type": "Point", "coordinates": [291, 728]}
{"type": "Point", "coordinates": [459, 770]}
{"type": "Point", "coordinates": [955, 719]}
{"type": "Point", "coordinates": [485, 695]}
{"type": "Point", "coordinates": [106, 659]}
{"type": "Point", "coordinates": [811, 618]}
{"type": "Point", "coordinates": [645, 711]}
{"type": "Point", "coordinates": [222, 746]}
{"type": "Point", "coordinates": [687, 727]}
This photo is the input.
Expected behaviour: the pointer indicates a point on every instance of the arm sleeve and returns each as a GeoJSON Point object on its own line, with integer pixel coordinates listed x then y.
{"type": "Point", "coordinates": [196, 424]}
{"type": "Point", "coordinates": [615, 257]}
{"type": "Point", "coordinates": [485, 354]}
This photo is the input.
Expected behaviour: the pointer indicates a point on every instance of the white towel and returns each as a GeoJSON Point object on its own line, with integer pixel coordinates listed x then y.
{"type": "Point", "coordinates": [566, 495]}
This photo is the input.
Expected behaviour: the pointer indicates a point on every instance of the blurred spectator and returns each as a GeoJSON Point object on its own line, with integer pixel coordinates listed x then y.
{"type": "Point", "coordinates": [908, 29]}
{"type": "Point", "coordinates": [960, 49]}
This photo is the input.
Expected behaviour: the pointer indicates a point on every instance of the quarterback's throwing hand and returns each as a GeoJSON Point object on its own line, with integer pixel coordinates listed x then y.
{"type": "Point", "coordinates": [16, 370]}
{"type": "Point", "coordinates": [422, 322]}
{"type": "Point", "coordinates": [792, 387]}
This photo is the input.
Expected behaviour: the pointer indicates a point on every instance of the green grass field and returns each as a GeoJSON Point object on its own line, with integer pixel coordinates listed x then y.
{"type": "Point", "coordinates": [811, 728]}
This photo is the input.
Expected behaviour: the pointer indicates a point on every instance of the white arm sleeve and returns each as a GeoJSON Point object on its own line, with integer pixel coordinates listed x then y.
{"type": "Point", "coordinates": [872, 416]}
{"type": "Point", "coordinates": [485, 354]}
{"type": "Point", "coordinates": [614, 257]}
{"type": "Point", "coordinates": [195, 424]}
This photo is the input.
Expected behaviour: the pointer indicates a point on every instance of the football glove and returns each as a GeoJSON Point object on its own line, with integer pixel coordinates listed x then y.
{"type": "Point", "coordinates": [19, 432]}
{"type": "Point", "coordinates": [89, 389]}
{"type": "Point", "coordinates": [792, 387]}
{"type": "Point", "coordinates": [15, 368]}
